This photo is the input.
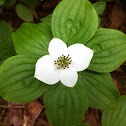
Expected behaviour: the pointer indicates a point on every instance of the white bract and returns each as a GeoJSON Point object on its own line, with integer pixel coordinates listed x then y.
{"type": "Point", "coordinates": [62, 63]}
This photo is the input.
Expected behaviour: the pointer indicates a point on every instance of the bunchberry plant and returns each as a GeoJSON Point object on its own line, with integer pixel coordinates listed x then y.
{"type": "Point", "coordinates": [63, 63]}
{"type": "Point", "coordinates": [72, 78]}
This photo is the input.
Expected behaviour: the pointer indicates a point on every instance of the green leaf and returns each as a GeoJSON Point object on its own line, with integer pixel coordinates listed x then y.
{"type": "Point", "coordinates": [30, 2]}
{"type": "Point", "coordinates": [6, 44]}
{"type": "Point", "coordinates": [115, 117]}
{"type": "Point", "coordinates": [99, 22]}
{"type": "Point", "coordinates": [32, 39]}
{"type": "Point", "coordinates": [109, 47]}
{"type": "Point", "coordinates": [1, 2]}
{"type": "Point", "coordinates": [65, 106]}
{"type": "Point", "coordinates": [74, 21]}
{"type": "Point", "coordinates": [17, 82]}
{"type": "Point", "coordinates": [47, 20]}
{"type": "Point", "coordinates": [24, 13]}
{"type": "Point", "coordinates": [100, 89]}
{"type": "Point", "coordinates": [100, 7]}
{"type": "Point", "coordinates": [9, 2]}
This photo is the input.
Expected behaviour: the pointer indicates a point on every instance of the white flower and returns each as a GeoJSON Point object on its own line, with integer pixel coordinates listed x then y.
{"type": "Point", "coordinates": [62, 63]}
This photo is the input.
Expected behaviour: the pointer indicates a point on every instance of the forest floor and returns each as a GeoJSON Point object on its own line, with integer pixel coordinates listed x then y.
{"type": "Point", "coordinates": [33, 114]}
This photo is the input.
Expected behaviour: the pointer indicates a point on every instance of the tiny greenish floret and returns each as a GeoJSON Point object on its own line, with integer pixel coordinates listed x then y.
{"type": "Point", "coordinates": [63, 62]}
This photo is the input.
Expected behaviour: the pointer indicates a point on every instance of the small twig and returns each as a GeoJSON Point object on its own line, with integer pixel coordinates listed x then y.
{"type": "Point", "coordinates": [12, 107]}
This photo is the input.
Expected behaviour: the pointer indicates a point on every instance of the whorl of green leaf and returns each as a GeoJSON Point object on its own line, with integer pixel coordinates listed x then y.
{"type": "Point", "coordinates": [100, 89]}
{"type": "Point", "coordinates": [6, 43]}
{"type": "Point", "coordinates": [17, 82]}
{"type": "Point", "coordinates": [115, 117]}
{"type": "Point", "coordinates": [74, 21]}
{"type": "Point", "coordinates": [32, 39]}
{"type": "Point", "coordinates": [65, 106]}
{"type": "Point", "coordinates": [109, 47]}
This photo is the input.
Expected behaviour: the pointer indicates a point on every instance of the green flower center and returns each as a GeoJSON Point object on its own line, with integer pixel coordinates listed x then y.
{"type": "Point", "coordinates": [63, 62]}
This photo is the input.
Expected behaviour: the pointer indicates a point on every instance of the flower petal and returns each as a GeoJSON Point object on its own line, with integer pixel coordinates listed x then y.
{"type": "Point", "coordinates": [68, 76]}
{"type": "Point", "coordinates": [57, 48]}
{"type": "Point", "coordinates": [46, 70]}
{"type": "Point", "coordinates": [81, 56]}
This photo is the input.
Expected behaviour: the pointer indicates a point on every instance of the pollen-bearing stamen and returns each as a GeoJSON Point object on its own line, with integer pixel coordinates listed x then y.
{"type": "Point", "coordinates": [63, 62]}
{"type": "Point", "coordinates": [56, 67]}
